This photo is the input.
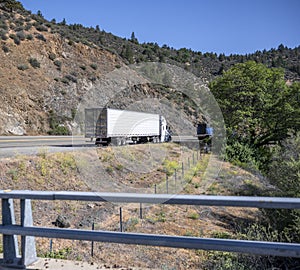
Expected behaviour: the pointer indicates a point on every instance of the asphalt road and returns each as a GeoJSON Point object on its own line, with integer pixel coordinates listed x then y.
{"type": "Point", "coordinates": [32, 145]}
{"type": "Point", "coordinates": [32, 141]}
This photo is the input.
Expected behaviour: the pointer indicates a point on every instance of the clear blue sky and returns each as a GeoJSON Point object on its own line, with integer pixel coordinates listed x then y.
{"type": "Point", "coordinates": [221, 26]}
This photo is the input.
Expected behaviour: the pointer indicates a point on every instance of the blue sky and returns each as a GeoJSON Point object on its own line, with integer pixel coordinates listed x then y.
{"type": "Point", "coordinates": [220, 26]}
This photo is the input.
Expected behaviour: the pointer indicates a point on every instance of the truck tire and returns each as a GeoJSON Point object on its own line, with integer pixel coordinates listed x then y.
{"type": "Point", "coordinates": [116, 141]}
{"type": "Point", "coordinates": [123, 141]}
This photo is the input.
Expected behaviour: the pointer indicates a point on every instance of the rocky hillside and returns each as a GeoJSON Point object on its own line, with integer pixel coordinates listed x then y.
{"type": "Point", "coordinates": [48, 69]}
{"type": "Point", "coordinates": [43, 75]}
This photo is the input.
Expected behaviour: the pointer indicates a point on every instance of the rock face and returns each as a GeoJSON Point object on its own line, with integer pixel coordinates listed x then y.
{"type": "Point", "coordinates": [44, 76]}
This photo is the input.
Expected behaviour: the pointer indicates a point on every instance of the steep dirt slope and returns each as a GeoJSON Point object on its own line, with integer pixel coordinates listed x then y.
{"type": "Point", "coordinates": [64, 171]}
{"type": "Point", "coordinates": [43, 75]}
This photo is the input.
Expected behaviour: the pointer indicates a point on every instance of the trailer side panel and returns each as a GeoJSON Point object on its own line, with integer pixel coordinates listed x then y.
{"type": "Point", "coordinates": [121, 123]}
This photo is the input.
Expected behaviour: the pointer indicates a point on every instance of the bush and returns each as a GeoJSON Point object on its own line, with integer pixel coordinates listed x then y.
{"type": "Point", "coordinates": [21, 35]}
{"type": "Point", "coordinates": [71, 78]}
{"type": "Point", "coordinates": [17, 41]}
{"type": "Point", "coordinates": [22, 67]}
{"type": "Point", "coordinates": [64, 80]}
{"type": "Point", "coordinates": [285, 167]}
{"type": "Point", "coordinates": [3, 25]}
{"type": "Point", "coordinates": [41, 37]}
{"type": "Point", "coordinates": [41, 28]}
{"type": "Point", "coordinates": [5, 48]}
{"type": "Point", "coordinates": [94, 66]}
{"type": "Point", "coordinates": [28, 26]}
{"type": "Point", "coordinates": [52, 56]}
{"type": "Point", "coordinates": [239, 153]}
{"type": "Point", "coordinates": [256, 232]}
{"type": "Point", "coordinates": [285, 174]}
{"type": "Point", "coordinates": [58, 64]}
{"type": "Point", "coordinates": [59, 130]}
{"type": "Point", "coordinates": [34, 63]}
{"type": "Point", "coordinates": [19, 29]}
{"type": "Point", "coordinates": [29, 37]}
{"type": "Point", "coordinates": [3, 35]}
{"type": "Point", "coordinates": [56, 128]}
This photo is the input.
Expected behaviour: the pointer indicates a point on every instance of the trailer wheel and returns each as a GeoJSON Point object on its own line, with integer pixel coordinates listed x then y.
{"type": "Point", "coordinates": [123, 141]}
{"type": "Point", "coordinates": [116, 141]}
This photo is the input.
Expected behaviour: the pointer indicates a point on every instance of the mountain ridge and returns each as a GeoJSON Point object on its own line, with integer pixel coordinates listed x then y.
{"type": "Point", "coordinates": [47, 67]}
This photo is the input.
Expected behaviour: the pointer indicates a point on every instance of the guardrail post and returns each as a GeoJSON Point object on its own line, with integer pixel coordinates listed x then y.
{"type": "Point", "coordinates": [28, 248]}
{"type": "Point", "coordinates": [121, 220]}
{"type": "Point", "coordinates": [10, 243]}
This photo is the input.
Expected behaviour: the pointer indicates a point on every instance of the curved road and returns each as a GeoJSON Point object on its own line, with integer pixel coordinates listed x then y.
{"type": "Point", "coordinates": [32, 145]}
{"type": "Point", "coordinates": [32, 141]}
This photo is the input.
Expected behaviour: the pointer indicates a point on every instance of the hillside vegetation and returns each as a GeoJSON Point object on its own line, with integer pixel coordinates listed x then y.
{"type": "Point", "coordinates": [65, 171]}
{"type": "Point", "coordinates": [48, 66]}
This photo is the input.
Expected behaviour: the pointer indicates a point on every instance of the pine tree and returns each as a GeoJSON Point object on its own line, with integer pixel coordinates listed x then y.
{"type": "Point", "coordinates": [133, 38]}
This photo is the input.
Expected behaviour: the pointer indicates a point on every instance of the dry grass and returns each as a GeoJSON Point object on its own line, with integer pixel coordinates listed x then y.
{"type": "Point", "coordinates": [62, 172]}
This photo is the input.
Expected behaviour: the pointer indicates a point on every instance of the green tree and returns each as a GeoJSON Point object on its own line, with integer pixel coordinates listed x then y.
{"type": "Point", "coordinates": [127, 53]}
{"type": "Point", "coordinates": [63, 22]}
{"type": "Point", "coordinates": [133, 38]}
{"type": "Point", "coordinates": [285, 175]}
{"type": "Point", "coordinates": [285, 167]}
{"type": "Point", "coordinates": [39, 13]}
{"type": "Point", "coordinates": [257, 105]}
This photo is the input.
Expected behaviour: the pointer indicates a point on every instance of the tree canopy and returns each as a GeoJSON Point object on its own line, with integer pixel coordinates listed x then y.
{"type": "Point", "coordinates": [258, 106]}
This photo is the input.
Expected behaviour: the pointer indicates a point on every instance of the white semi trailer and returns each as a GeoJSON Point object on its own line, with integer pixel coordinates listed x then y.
{"type": "Point", "coordinates": [119, 127]}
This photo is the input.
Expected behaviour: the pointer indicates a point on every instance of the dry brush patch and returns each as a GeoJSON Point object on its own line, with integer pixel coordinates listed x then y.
{"type": "Point", "coordinates": [49, 171]}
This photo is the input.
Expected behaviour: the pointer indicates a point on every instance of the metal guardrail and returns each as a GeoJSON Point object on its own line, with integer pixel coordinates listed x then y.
{"type": "Point", "coordinates": [208, 200]}
{"type": "Point", "coordinates": [27, 231]}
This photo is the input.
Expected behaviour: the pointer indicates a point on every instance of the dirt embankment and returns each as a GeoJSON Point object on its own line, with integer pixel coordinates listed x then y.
{"type": "Point", "coordinates": [43, 74]}
{"type": "Point", "coordinates": [71, 171]}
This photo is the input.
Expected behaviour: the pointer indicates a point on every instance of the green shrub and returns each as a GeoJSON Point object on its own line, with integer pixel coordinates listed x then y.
{"type": "Point", "coordinates": [12, 36]}
{"type": "Point", "coordinates": [64, 80]}
{"type": "Point", "coordinates": [28, 26]}
{"type": "Point", "coordinates": [22, 67]}
{"type": "Point", "coordinates": [61, 254]}
{"type": "Point", "coordinates": [241, 154]}
{"type": "Point", "coordinates": [170, 166]}
{"type": "Point", "coordinates": [17, 41]}
{"type": "Point", "coordinates": [284, 173]}
{"type": "Point", "coordinates": [29, 37]}
{"type": "Point", "coordinates": [193, 215]}
{"type": "Point", "coordinates": [3, 25]}
{"type": "Point", "coordinates": [71, 42]}
{"type": "Point", "coordinates": [41, 37]}
{"type": "Point", "coordinates": [34, 63]}
{"type": "Point", "coordinates": [58, 64]}
{"type": "Point", "coordinates": [42, 28]}
{"type": "Point", "coordinates": [71, 78]}
{"type": "Point", "coordinates": [59, 130]}
{"type": "Point", "coordinates": [19, 29]}
{"type": "Point", "coordinates": [19, 22]}
{"type": "Point", "coordinates": [94, 66]}
{"type": "Point", "coordinates": [21, 35]}
{"type": "Point", "coordinates": [5, 48]}
{"type": "Point", "coordinates": [3, 36]}
{"type": "Point", "coordinates": [52, 56]}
